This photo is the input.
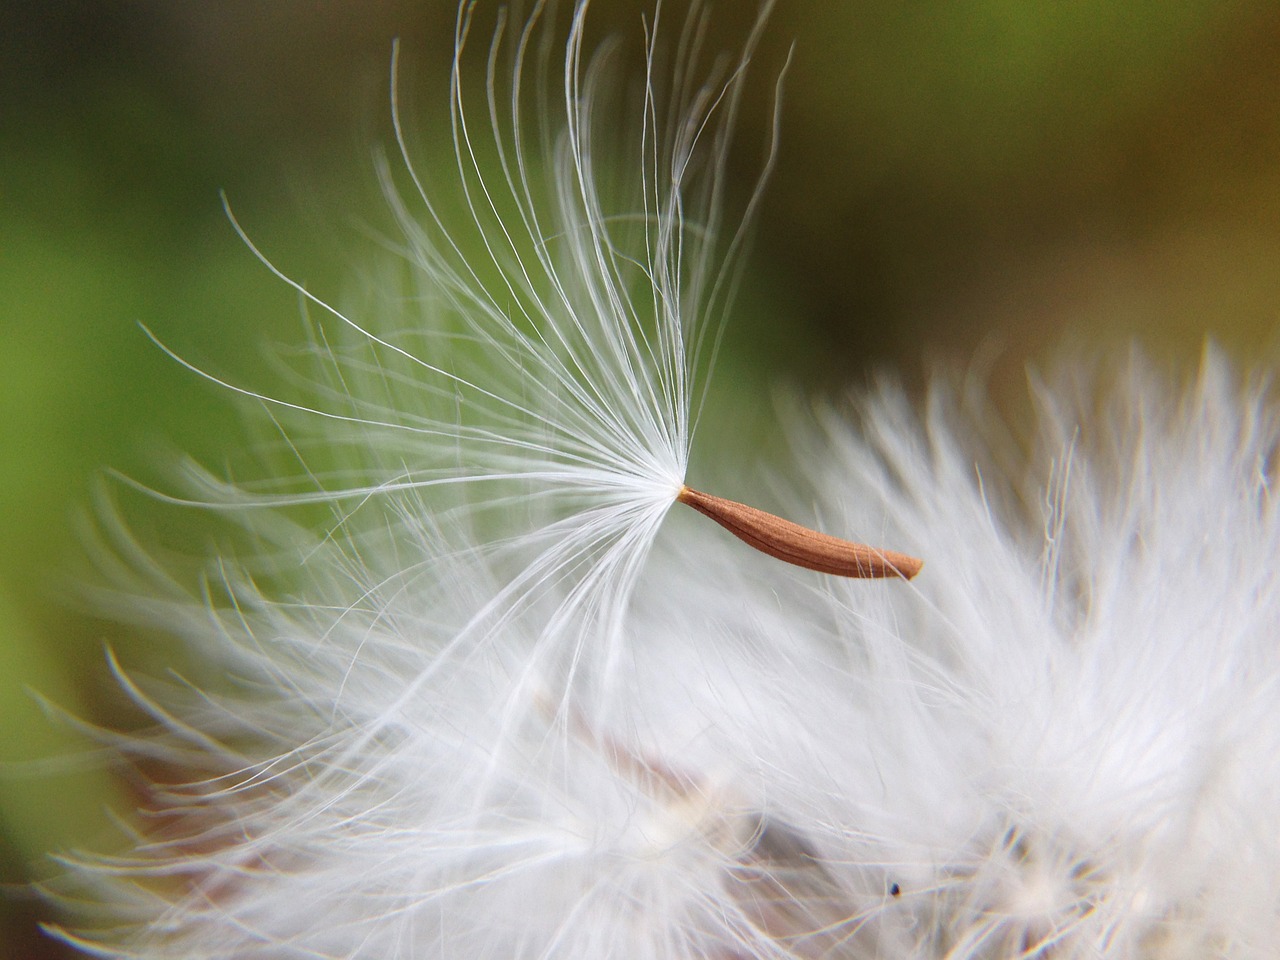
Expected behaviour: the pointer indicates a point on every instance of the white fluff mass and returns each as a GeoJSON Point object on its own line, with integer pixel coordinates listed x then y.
{"type": "Point", "coordinates": [497, 705]}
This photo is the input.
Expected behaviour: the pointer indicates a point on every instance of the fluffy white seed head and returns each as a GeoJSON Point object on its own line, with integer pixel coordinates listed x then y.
{"type": "Point", "coordinates": [493, 714]}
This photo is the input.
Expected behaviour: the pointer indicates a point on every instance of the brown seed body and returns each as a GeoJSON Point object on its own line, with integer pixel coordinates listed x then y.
{"type": "Point", "coordinates": [799, 545]}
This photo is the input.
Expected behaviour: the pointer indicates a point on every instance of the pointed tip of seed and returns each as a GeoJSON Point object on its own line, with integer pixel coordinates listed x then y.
{"type": "Point", "coordinates": [799, 545]}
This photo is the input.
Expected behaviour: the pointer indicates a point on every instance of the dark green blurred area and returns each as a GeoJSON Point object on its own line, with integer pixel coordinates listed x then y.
{"type": "Point", "coordinates": [957, 180]}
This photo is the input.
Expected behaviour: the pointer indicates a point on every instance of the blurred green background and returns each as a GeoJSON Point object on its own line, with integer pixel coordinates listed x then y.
{"type": "Point", "coordinates": [958, 180]}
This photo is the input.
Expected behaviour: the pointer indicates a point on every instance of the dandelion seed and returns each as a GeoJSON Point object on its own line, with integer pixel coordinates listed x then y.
{"type": "Point", "coordinates": [799, 545]}
{"type": "Point", "coordinates": [486, 711]}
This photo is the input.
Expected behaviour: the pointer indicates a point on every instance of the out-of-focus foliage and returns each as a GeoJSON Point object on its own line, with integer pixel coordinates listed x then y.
{"type": "Point", "coordinates": [959, 179]}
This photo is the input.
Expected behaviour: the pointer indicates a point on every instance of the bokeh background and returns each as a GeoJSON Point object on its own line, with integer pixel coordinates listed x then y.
{"type": "Point", "coordinates": [974, 182]}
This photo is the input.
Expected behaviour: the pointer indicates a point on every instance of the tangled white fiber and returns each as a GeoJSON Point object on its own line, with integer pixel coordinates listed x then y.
{"type": "Point", "coordinates": [498, 707]}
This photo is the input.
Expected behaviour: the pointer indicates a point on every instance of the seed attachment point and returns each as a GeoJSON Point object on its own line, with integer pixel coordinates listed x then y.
{"type": "Point", "coordinates": [799, 545]}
